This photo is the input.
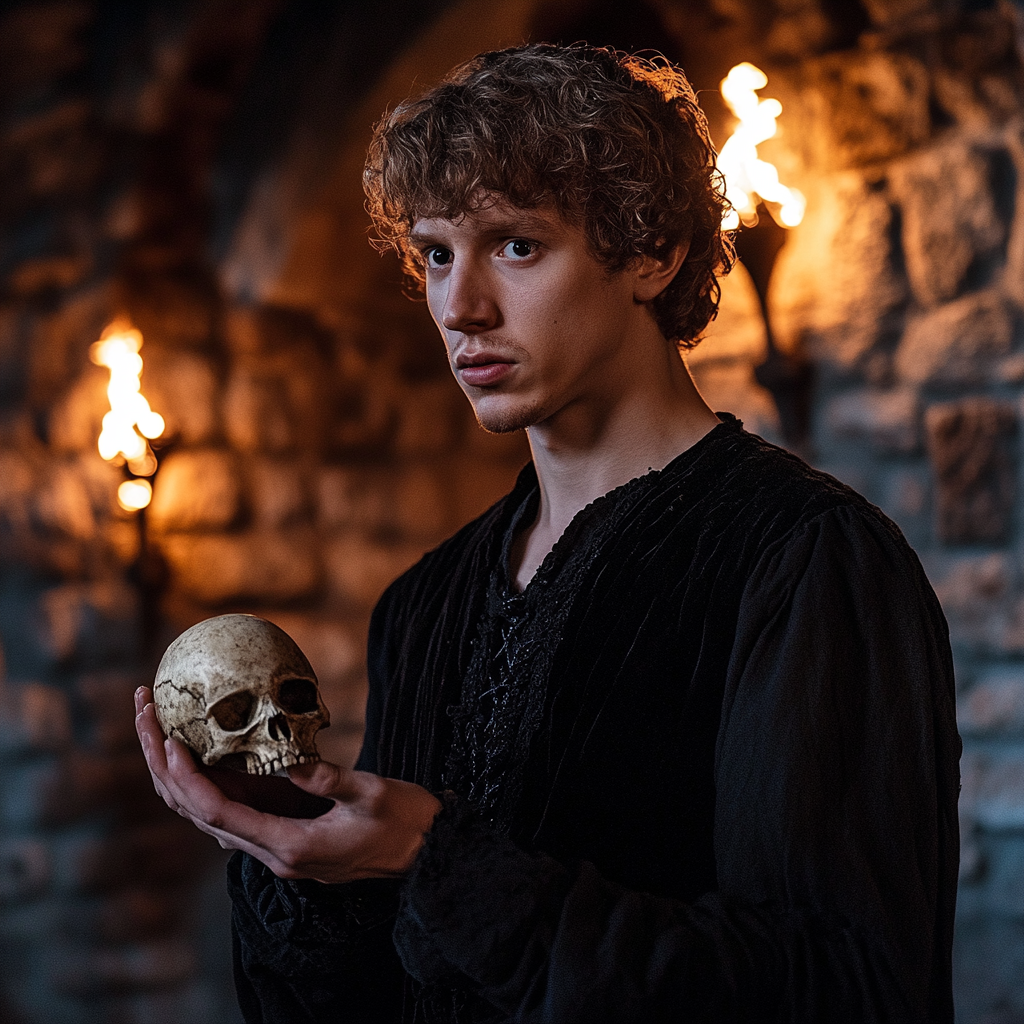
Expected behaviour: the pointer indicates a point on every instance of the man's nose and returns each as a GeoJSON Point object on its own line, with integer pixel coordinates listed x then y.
{"type": "Point", "coordinates": [469, 304]}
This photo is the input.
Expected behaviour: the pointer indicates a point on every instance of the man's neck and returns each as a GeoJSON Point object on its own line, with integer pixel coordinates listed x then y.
{"type": "Point", "coordinates": [583, 455]}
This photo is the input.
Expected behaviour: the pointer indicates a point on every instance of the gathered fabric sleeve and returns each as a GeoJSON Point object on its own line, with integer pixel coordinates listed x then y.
{"type": "Point", "coordinates": [836, 777]}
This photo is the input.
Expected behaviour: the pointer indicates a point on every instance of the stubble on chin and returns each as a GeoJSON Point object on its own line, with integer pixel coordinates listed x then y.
{"type": "Point", "coordinates": [506, 421]}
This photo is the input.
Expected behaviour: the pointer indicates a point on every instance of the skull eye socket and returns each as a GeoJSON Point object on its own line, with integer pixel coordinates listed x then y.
{"type": "Point", "coordinates": [298, 697]}
{"type": "Point", "coordinates": [233, 711]}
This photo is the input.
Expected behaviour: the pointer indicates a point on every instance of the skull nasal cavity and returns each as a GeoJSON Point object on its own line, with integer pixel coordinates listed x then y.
{"type": "Point", "coordinates": [279, 728]}
{"type": "Point", "coordinates": [298, 696]}
{"type": "Point", "coordinates": [232, 712]}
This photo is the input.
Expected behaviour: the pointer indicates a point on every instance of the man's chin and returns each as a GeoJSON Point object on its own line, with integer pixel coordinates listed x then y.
{"type": "Point", "coordinates": [506, 421]}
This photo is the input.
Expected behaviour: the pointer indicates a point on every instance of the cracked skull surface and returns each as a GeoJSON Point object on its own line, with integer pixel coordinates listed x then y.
{"type": "Point", "coordinates": [237, 690]}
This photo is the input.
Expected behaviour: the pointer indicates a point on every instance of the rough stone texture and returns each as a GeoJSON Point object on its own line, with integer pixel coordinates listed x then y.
{"type": "Point", "coordinates": [328, 448]}
{"type": "Point", "coordinates": [961, 342]}
{"type": "Point", "coordinates": [841, 314]}
{"type": "Point", "coordinates": [277, 493]}
{"type": "Point", "coordinates": [257, 566]}
{"type": "Point", "coordinates": [994, 705]}
{"type": "Point", "coordinates": [888, 420]}
{"type": "Point", "coordinates": [875, 105]}
{"type": "Point", "coordinates": [359, 569]}
{"type": "Point", "coordinates": [183, 388]}
{"type": "Point", "coordinates": [196, 490]}
{"type": "Point", "coordinates": [950, 222]}
{"type": "Point", "coordinates": [972, 449]}
{"type": "Point", "coordinates": [993, 789]}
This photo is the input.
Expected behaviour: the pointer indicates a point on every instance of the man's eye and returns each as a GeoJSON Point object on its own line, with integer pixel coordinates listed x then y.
{"type": "Point", "coordinates": [438, 256]}
{"type": "Point", "coordinates": [519, 248]}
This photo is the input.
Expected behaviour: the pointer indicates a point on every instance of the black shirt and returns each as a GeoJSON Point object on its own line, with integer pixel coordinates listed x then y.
{"type": "Point", "coordinates": [739, 792]}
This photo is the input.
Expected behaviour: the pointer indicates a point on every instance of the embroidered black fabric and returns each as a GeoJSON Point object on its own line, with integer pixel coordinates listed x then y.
{"type": "Point", "coordinates": [505, 692]}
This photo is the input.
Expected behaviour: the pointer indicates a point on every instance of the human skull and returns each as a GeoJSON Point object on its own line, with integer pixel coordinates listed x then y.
{"type": "Point", "coordinates": [237, 690]}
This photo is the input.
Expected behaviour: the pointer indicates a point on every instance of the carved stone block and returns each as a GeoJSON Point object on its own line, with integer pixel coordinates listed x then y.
{"type": "Point", "coordinates": [971, 444]}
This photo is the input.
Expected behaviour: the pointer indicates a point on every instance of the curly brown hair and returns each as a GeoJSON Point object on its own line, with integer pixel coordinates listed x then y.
{"type": "Point", "coordinates": [615, 142]}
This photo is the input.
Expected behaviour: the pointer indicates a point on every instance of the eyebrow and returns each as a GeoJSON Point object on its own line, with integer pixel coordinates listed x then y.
{"type": "Point", "coordinates": [524, 222]}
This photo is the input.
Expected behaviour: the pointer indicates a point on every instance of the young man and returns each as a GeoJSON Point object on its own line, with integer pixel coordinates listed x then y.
{"type": "Point", "coordinates": [667, 734]}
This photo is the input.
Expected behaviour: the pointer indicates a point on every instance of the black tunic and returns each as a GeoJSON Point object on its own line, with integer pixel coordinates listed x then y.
{"type": "Point", "coordinates": [739, 797]}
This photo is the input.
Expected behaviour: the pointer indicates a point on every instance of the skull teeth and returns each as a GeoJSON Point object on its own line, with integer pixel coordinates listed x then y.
{"type": "Point", "coordinates": [279, 764]}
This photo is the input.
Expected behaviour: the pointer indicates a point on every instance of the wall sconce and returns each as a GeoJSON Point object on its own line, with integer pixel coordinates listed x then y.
{"type": "Point", "coordinates": [753, 190]}
{"type": "Point", "coordinates": [125, 438]}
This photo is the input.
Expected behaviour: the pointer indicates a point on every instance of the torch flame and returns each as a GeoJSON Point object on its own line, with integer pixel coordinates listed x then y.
{"type": "Point", "coordinates": [747, 177]}
{"type": "Point", "coordinates": [131, 424]}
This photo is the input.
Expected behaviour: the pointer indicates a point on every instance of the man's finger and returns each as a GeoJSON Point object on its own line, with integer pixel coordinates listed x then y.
{"type": "Point", "coordinates": [324, 779]}
{"type": "Point", "coordinates": [214, 813]}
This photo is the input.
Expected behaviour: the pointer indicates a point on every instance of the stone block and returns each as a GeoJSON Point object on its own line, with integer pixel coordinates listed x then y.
{"type": "Point", "coordinates": [873, 105]}
{"type": "Point", "coordinates": [976, 71]}
{"type": "Point", "coordinates": [994, 705]}
{"type": "Point", "coordinates": [975, 593]}
{"type": "Point", "coordinates": [89, 623]}
{"type": "Point", "coordinates": [34, 718]}
{"type": "Point", "coordinates": [281, 400]}
{"type": "Point", "coordinates": [182, 386]}
{"type": "Point", "coordinates": [256, 565]}
{"type": "Point", "coordinates": [889, 12]}
{"type": "Point", "coordinates": [353, 496]}
{"type": "Point", "coordinates": [82, 783]}
{"type": "Point", "coordinates": [359, 569]}
{"type": "Point", "coordinates": [25, 870]}
{"type": "Point", "coordinates": [959, 343]}
{"type": "Point", "coordinates": [422, 506]}
{"type": "Point", "coordinates": [17, 493]}
{"type": "Point", "coordinates": [949, 218]}
{"type": "Point", "coordinates": [335, 649]}
{"type": "Point", "coordinates": [971, 444]}
{"type": "Point", "coordinates": [841, 315]}
{"type": "Point", "coordinates": [55, 151]}
{"type": "Point", "coordinates": [429, 418]}
{"type": "Point", "coordinates": [106, 698]}
{"type": "Point", "coordinates": [196, 490]}
{"type": "Point", "coordinates": [904, 493]}
{"type": "Point", "coordinates": [63, 504]}
{"type": "Point", "coordinates": [1004, 882]}
{"type": "Point", "coordinates": [988, 971]}
{"type": "Point", "coordinates": [992, 789]}
{"type": "Point", "coordinates": [43, 42]}
{"type": "Point", "coordinates": [75, 421]}
{"type": "Point", "coordinates": [88, 970]}
{"type": "Point", "coordinates": [172, 309]}
{"type": "Point", "coordinates": [59, 343]}
{"type": "Point", "coordinates": [255, 415]}
{"type": "Point", "coordinates": [129, 915]}
{"type": "Point", "coordinates": [888, 420]}
{"type": "Point", "coordinates": [277, 492]}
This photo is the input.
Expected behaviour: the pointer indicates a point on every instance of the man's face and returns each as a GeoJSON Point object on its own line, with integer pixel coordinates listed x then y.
{"type": "Point", "coordinates": [532, 322]}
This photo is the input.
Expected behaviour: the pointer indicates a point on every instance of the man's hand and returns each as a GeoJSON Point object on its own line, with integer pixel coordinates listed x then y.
{"type": "Point", "coordinates": [375, 828]}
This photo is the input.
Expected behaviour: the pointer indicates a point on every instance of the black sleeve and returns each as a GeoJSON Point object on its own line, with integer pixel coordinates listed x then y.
{"type": "Point", "coordinates": [835, 837]}
{"type": "Point", "coordinates": [305, 952]}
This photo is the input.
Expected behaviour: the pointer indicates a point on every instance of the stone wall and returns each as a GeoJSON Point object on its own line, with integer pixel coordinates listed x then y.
{"type": "Point", "coordinates": [307, 461]}
{"type": "Point", "coordinates": [316, 444]}
{"type": "Point", "coordinates": [904, 285]}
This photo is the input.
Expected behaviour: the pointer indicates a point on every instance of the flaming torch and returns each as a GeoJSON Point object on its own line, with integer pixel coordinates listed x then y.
{"type": "Point", "coordinates": [750, 182]}
{"type": "Point", "coordinates": [130, 424]}
{"type": "Point", "coordinates": [748, 177]}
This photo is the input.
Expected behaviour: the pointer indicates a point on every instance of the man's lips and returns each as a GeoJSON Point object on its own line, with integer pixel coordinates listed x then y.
{"type": "Point", "coordinates": [483, 369]}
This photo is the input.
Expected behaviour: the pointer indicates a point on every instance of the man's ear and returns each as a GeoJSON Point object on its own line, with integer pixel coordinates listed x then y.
{"type": "Point", "coordinates": [655, 273]}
